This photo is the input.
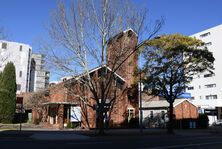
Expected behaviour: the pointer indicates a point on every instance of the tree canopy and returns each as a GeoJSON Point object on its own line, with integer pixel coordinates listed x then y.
{"type": "Point", "coordinates": [84, 31]}
{"type": "Point", "coordinates": [8, 93]}
{"type": "Point", "coordinates": [171, 61]}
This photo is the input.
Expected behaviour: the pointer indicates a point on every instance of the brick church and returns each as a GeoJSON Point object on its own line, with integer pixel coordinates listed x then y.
{"type": "Point", "coordinates": [62, 105]}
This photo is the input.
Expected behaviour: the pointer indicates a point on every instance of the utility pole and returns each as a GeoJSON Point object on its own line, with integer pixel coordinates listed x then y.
{"type": "Point", "coordinates": [140, 98]}
{"type": "Point", "coordinates": [19, 106]}
{"type": "Point", "coordinates": [20, 123]}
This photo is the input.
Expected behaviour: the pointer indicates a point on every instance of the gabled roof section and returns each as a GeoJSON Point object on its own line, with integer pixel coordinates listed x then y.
{"type": "Point", "coordinates": [116, 74]}
{"type": "Point", "coordinates": [100, 67]}
{"type": "Point", "coordinates": [93, 70]}
{"type": "Point", "coordinates": [179, 101]}
{"type": "Point", "coordinates": [130, 29]}
{"type": "Point", "coordinates": [120, 34]}
{"type": "Point", "coordinates": [163, 103]}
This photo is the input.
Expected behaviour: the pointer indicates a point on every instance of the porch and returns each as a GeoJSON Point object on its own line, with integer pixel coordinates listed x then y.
{"type": "Point", "coordinates": [60, 114]}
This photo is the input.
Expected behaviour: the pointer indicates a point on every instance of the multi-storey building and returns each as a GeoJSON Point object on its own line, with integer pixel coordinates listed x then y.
{"type": "Point", "coordinates": [20, 55]}
{"type": "Point", "coordinates": [30, 75]}
{"type": "Point", "coordinates": [206, 88]}
{"type": "Point", "coordinates": [39, 78]}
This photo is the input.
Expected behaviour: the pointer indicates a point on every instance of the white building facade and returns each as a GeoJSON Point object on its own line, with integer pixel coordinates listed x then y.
{"type": "Point", "coordinates": [206, 88]}
{"type": "Point", "coordinates": [39, 78]}
{"type": "Point", "coordinates": [21, 55]}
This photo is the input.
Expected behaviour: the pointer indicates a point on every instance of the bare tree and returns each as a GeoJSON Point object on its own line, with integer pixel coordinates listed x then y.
{"type": "Point", "coordinates": [82, 31]}
{"type": "Point", "coordinates": [35, 102]}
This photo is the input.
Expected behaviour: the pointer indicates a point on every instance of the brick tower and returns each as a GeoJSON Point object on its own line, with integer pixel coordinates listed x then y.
{"type": "Point", "coordinates": [119, 47]}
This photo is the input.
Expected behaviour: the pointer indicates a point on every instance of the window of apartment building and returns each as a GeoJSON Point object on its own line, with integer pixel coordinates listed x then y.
{"type": "Point", "coordinates": [199, 87]}
{"type": "Point", "coordinates": [211, 97]}
{"type": "Point", "coordinates": [192, 98]}
{"type": "Point", "coordinates": [20, 74]}
{"type": "Point", "coordinates": [4, 45]}
{"type": "Point", "coordinates": [209, 75]}
{"type": "Point", "coordinates": [190, 88]}
{"type": "Point", "coordinates": [18, 87]}
{"type": "Point", "coordinates": [30, 52]}
{"type": "Point", "coordinates": [210, 85]}
{"type": "Point", "coordinates": [20, 48]}
{"type": "Point", "coordinates": [205, 34]}
{"type": "Point", "coordinates": [208, 43]}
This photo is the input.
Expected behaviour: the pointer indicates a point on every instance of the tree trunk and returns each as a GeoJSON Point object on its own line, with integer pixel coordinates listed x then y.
{"type": "Point", "coordinates": [170, 126]}
{"type": "Point", "coordinates": [101, 123]}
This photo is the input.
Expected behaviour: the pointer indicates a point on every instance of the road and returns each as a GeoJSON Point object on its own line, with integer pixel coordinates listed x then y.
{"type": "Point", "coordinates": [164, 141]}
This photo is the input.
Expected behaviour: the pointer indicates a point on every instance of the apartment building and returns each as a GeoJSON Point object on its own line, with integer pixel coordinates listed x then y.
{"type": "Point", "coordinates": [21, 55]}
{"type": "Point", "coordinates": [39, 78]}
{"type": "Point", "coordinates": [206, 88]}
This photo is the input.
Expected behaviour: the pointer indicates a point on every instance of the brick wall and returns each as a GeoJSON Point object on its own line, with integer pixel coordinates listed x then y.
{"type": "Point", "coordinates": [57, 93]}
{"type": "Point", "coordinates": [185, 110]}
{"type": "Point", "coordinates": [119, 47]}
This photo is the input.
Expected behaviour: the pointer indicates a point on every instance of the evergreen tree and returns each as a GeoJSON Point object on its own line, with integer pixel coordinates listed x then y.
{"type": "Point", "coordinates": [8, 93]}
{"type": "Point", "coordinates": [170, 63]}
{"type": "Point", "coordinates": [0, 80]}
{"type": "Point", "coordinates": [1, 97]}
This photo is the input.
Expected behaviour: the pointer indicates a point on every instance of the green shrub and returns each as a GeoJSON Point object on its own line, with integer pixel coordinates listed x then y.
{"type": "Point", "coordinates": [72, 125]}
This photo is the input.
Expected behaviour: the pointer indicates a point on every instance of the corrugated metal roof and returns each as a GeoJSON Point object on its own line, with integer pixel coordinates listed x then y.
{"type": "Point", "coordinates": [56, 103]}
{"type": "Point", "coordinates": [161, 103]}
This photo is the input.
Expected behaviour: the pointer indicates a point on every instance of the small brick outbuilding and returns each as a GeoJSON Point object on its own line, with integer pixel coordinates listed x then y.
{"type": "Point", "coordinates": [156, 111]}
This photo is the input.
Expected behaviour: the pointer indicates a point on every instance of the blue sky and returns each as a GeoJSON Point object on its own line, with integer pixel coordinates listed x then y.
{"type": "Point", "coordinates": [25, 20]}
{"type": "Point", "coordinates": [186, 16]}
